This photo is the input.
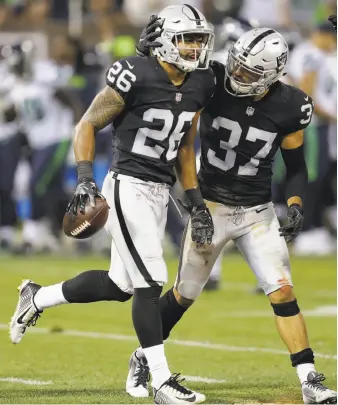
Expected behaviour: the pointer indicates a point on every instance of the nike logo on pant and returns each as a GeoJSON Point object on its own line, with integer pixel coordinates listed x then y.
{"type": "Point", "coordinates": [261, 209]}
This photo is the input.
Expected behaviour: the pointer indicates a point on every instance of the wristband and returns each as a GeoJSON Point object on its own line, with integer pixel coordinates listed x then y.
{"type": "Point", "coordinates": [195, 198]}
{"type": "Point", "coordinates": [84, 169]}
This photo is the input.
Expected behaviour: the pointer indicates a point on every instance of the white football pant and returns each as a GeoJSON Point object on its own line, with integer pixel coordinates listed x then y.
{"type": "Point", "coordinates": [136, 222]}
{"type": "Point", "coordinates": [254, 230]}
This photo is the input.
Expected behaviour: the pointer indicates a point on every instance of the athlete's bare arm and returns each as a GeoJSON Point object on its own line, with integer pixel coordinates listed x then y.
{"type": "Point", "coordinates": [186, 159]}
{"type": "Point", "coordinates": [106, 106]}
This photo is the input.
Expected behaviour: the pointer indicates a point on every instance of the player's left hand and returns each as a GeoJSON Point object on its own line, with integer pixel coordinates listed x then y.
{"type": "Point", "coordinates": [149, 36]}
{"type": "Point", "coordinates": [202, 227]}
{"type": "Point", "coordinates": [295, 223]}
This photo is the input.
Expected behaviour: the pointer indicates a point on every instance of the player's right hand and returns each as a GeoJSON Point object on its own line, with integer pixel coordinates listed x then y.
{"type": "Point", "coordinates": [86, 189]}
{"type": "Point", "coordinates": [202, 226]}
{"type": "Point", "coordinates": [149, 36]}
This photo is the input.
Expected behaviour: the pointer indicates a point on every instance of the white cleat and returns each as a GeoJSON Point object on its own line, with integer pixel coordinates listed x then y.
{"type": "Point", "coordinates": [172, 392]}
{"type": "Point", "coordinates": [314, 392]}
{"type": "Point", "coordinates": [26, 313]}
{"type": "Point", "coordinates": [138, 377]}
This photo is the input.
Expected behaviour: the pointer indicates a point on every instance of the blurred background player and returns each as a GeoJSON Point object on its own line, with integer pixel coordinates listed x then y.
{"type": "Point", "coordinates": [10, 142]}
{"type": "Point", "coordinates": [305, 63]}
{"type": "Point", "coordinates": [46, 116]}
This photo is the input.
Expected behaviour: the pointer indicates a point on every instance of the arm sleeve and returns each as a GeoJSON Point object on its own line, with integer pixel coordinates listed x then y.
{"type": "Point", "coordinates": [296, 172]}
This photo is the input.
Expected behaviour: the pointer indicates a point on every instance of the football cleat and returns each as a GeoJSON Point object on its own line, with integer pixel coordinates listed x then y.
{"type": "Point", "coordinates": [314, 392]}
{"type": "Point", "coordinates": [138, 377]}
{"type": "Point", "coordinates": [26, 313]}
{"type": "Point", "coordinates": [173, 392]}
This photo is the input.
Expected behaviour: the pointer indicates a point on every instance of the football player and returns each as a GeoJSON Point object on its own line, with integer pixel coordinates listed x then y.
{"type": "Point", "coordinates": [10, 141]}
{"type": "Point", "coordinates": [46, 115]}
{"type": "Point", "coordinates": [250, 117]}
{"type": "Point", "coordinates": [154, 103]}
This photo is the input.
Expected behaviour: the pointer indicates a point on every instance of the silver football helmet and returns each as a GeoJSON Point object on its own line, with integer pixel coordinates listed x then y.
{"type": "Point", "coordinates": [184, 24]}
{"type": "Point", "coordinates": [255, 62]}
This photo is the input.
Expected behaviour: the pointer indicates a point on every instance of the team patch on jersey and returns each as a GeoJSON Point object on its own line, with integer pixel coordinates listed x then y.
{"type": "Point", "coordinates": [250, 111]}
{"type": "Point", "coordinates": [178, 97]}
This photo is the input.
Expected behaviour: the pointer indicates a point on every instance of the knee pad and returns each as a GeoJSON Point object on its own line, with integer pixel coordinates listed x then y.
{"type": "Point", "coordinates": [286, 309]}
{"type": "Point", "coordinates": [189, 289]}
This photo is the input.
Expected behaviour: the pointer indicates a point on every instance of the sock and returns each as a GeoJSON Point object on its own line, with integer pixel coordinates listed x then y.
{"type": "Point", "coordinates": [171, 312]}
{"type": "Point", "coordinates": [147, 317]}
{"type": "Point", "coordinates": [49, 296]}
{"type": "Point", "coordinates": [158, 365]}
{"type": "Point", "coordinates": [93, 286]}
{"type": "Point", "coordinates": [148, 326]}
{"type": "Point", "coordinates": [304, 363]}
{"type": "Point", "coordinates": [303, 370]}
{"type": "Point", "coordinates": [140, 353]}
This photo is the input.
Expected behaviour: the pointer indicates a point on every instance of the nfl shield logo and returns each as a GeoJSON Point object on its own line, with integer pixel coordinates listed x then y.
{"type": "Point", "coordinates": [178, 97]}
{"type": "Point", "coordinates": [250, 111]}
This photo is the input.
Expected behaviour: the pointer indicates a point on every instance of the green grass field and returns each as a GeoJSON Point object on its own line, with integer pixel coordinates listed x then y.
{"type": "Point", "coordinates": [228, 336]}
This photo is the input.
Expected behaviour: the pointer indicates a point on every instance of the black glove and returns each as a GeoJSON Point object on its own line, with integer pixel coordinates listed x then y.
{"type": "Point", "coordinates": [295, 223]}
{"type": "Point", "coordinates": [86, 189]}
{"type": "Point", "coordinates": [202, 227]}
{"type": "Point", "coordinates": [333, 20]}
{"type": "Point", "coordinates": [149, 36]}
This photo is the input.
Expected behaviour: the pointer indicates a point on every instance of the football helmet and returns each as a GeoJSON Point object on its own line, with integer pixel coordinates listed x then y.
{"type": "Point", "coordinates": [183, 24]}
{"type": "Point", "coordinates": [255, 62]}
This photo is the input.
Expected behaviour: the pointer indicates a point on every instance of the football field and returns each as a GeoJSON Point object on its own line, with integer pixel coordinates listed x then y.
{"type": "Point", "coordinates": [226, 344]}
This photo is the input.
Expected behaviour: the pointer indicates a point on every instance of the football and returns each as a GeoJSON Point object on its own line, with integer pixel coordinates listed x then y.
{"type": "Point", "coordinates": [82, 226]}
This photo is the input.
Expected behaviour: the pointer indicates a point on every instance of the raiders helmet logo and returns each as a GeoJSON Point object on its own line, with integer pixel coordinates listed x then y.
{"type": "Point", "coordinates": [281, 60]}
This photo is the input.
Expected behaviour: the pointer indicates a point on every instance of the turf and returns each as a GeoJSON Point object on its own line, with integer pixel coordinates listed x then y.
{"type": "Point", "coordinates": [92, 369]}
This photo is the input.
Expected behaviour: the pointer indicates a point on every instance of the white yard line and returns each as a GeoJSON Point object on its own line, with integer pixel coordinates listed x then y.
{"type": "Point", "coordinates": [188, 343]}
{"type": "Point", "coordinates": [192, 378]}
{"type": "Point", "coordinates": [203, 379]}
{"type": "Point", "coordinates": [26, 382]}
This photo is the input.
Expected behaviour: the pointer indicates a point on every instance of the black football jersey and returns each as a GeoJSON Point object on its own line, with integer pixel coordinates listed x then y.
{"type": "Point", "coordinates": [157, 115]}
{"type": "Point", "coordinates": [240, 137]}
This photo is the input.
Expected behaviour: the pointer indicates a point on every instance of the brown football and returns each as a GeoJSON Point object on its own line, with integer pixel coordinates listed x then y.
{"type": "Point", "coordinates": [82, 226]}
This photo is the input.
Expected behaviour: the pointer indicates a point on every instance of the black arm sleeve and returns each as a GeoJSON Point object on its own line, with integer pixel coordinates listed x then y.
{"type": "Point", "coordinates": [296, 172]}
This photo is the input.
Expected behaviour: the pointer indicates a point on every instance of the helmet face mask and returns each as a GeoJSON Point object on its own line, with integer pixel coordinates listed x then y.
{"type": "Point", "coordinates": [255, 62]}
{"type": "Point", "coordinates": [186, 40]}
